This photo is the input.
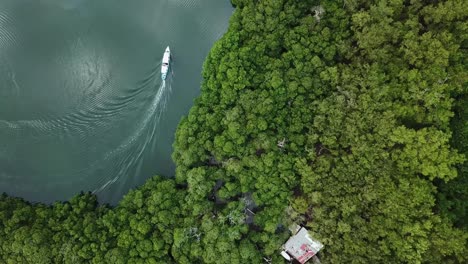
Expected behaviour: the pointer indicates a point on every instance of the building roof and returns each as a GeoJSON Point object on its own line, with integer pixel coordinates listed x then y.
{"type": "Point", "coordinates": [302, 246]}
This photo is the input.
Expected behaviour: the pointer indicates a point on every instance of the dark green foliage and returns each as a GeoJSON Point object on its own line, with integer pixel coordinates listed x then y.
{"type": "Point", "coordinates": [453, 195]}
{"type": "Point", "coordinates": [138, 230]}
{"type": "Point", "coordinates": [334, 115]}
{"type": "Point", "coordinates": [359, 99]}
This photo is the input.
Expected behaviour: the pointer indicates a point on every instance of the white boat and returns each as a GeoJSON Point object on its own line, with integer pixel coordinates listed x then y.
{"type": "Point", "coordinates": [165, 63]}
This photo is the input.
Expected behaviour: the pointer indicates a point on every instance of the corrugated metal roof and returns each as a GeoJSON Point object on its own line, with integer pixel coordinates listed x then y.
{"type": "Point", "coordinates": [302, 246]}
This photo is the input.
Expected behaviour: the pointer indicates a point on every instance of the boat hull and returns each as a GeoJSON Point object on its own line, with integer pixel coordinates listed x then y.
{"type": "Point", "coordinates": [165, 63]}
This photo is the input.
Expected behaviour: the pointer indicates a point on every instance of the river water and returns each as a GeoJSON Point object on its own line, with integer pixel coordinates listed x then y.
{"type": "Point", "coordinates": [82, 103]}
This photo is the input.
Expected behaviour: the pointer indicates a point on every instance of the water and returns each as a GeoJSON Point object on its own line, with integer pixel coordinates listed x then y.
{"type": "Point", "coordinates": [82, 103]}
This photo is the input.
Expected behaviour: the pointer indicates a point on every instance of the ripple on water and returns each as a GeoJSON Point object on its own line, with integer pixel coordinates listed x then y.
{"type": "Point", "coordinates": [89, 105]}
{"type": "Point", "coordinates": [8, 37]}
{"type": "Point", "coordinates": [186, 3]}
{"type": "Point", "coordinates": [8, 40]}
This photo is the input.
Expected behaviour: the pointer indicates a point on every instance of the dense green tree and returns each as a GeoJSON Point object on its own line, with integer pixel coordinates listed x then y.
{"type": "Point", "coordinates": [453, 195]}
{"type": "Point", "coordinates": [138, 230]}
{"type": "Point", "coordinates": [349, 118]}
{"type": "Point", "coordinates": [348, 104]}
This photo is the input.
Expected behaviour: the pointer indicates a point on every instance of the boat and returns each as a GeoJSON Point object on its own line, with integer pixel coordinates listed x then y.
{"type": "Point", "coordinates": [165, 63]}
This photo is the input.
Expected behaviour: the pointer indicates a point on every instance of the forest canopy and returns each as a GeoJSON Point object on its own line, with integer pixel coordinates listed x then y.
{"type": "Point", "coordinates": [347, 117]}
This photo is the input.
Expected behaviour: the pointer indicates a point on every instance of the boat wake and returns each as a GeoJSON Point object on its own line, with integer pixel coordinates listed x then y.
{"type": "Point", "coordinates": [84, 133]}
{"type": "Point", "coordinates": [147, 131]}
{"type": "Point", "coordinates": [82, 101]}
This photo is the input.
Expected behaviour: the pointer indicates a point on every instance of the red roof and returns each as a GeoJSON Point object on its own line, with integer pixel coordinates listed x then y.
{"type": "Point", "coordinates": [301, 246]}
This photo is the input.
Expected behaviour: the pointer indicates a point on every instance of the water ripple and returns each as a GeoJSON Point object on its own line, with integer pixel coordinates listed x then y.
{"type": "Point", "coordinates": [81, 107]}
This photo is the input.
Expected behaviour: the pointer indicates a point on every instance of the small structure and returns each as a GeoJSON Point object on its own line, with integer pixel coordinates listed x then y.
{"type": "Point", "coordinates": [318, 10]}
{"type": "Point", "coordinates": [281, 143]}
{"type": "Point", "coordinates": [301, 247]}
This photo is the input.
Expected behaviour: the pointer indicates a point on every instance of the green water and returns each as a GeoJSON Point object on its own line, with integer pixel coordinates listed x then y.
{"type": "Point", "coordinates": [82, 104]}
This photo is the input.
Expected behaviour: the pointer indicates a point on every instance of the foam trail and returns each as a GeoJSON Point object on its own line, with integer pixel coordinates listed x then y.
{"type": "Point", "coordinates": [131, 149]}
{"type": "Point", "coordinates": [157, 108]}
